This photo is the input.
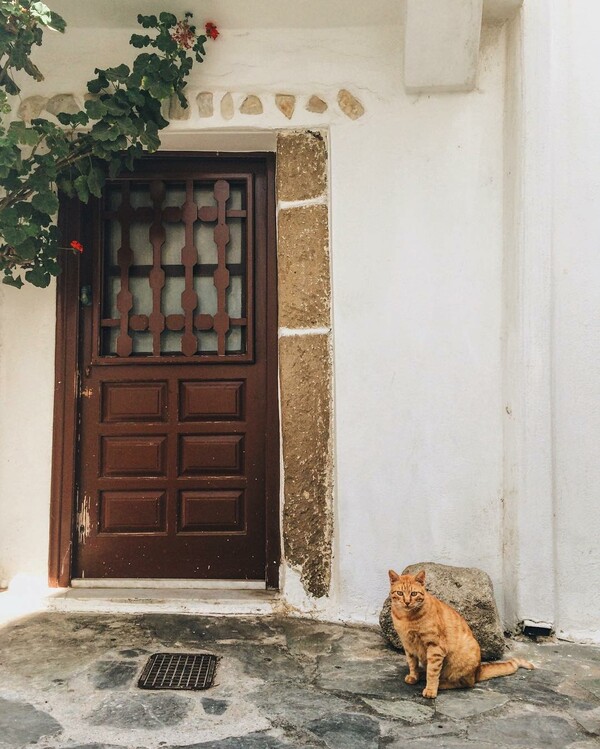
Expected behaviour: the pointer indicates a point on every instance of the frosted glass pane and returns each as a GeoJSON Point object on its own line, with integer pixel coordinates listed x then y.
{"type": "Point", "coordinates": [203, 195]}
{"type": "Point", "coordinates": [139, 196]}
{"type": "Point", "coordinates": [139, 240]}
{"type": "Point", "coordinates": [171, 295]}
{"type": "Point", "coordinates": [142, 296]}
{"type": "Point", "coordinates": [207, 295]}
{"type": "Point", "coordinates": [175, 240]}
{"type": "Point", "coordinates": [205, 242]}
{"type": "Point", "coordinates": [234, 296]}
{"type": "Point", "coordinates": [235, 340]}
{"type": "Point", "coordinates": [175, 195]}
{"type": "Point", "coordinates": [207, 341]}
{"type": "Point", "coordinates": [113, 240]}
{"type": "Point", "coordinates": [236, 198]}
{"type": "Point", "coordinates": [234, 247]}
{"type": "Point", "coordinates": [142, 342]}
{"type": "Point", "coordinates": [170, 342]}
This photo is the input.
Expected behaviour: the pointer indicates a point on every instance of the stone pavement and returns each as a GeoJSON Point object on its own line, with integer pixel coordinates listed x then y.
{"type": "Point", "coordinates": [69, 681]}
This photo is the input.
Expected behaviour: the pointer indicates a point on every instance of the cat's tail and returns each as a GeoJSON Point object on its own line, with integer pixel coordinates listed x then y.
{"type": "Point", "coordinates": [500, 668]}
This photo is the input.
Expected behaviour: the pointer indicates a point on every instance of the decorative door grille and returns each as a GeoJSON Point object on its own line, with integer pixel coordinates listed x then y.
{"type": "Point", "coordinates": [177, 274]}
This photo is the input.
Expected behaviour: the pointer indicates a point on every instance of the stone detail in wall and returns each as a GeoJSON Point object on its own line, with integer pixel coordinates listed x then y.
{"type": "Point", "coordinates": [177, 111]}
{"type": "Point", "coordinates": [286, 103]}
{"type": "Point", "coordinates": [251, 105]}
{"type": "Point", "coordinates": [350, 105]}
{"type": "Point", "coordinates": [62, 103]}
{"type": "Point", "coordinates": [204, 100]}
{"type": "Point", "coordinates": [227, 108]}
{"type": "Point", "coordinates": [305, 375]}
{"type": "Point", "coordinates": [31, 107]}
{"type": "Point", "coordinates": [301, 165]}
{"type": "Point", "coordinates": [316, 104]}
{"type": "Point", "coordinates": [303, 267]}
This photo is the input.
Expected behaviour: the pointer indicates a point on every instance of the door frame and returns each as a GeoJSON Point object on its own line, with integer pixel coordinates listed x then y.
{"type": "Point", "coordinates": [63, 491]}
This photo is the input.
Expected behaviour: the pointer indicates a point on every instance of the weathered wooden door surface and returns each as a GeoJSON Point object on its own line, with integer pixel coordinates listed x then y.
{"type": "Point", "coordinates": [174, 375]}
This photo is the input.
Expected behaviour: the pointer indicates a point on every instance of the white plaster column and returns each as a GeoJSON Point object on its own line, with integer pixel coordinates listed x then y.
{"type": "Point", "coordinates": [531, 114]}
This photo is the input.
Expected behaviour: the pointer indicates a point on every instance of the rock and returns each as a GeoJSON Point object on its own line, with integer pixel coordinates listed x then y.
{"type": "Point", "coordinates": [204, 100]}
{"type": "Point", "coordinates": [251, 105]}
{"type": "Point", "coordinates": [531, 730]}
{"type": "Point", "coordinates": [227, 108]}
{"type": "Point", "coordinates": [407, 710]}
{"type": "Point", "coordinates": [153, 711]}
{"type": "Point", "coordinates": [316, 104]}
{"type": "Point", "coordinates": [62, 103]}
{"type": "Point", "coordinates": [177, 111]}
{"type": "Point", "coordinates": [31, 107]}
{"type": "Point", "coordinates": [470, 592]}
{"type": "Point", "coordinates": [286, 104]}
{"type": "Point", "coordinates": [350, 105]}
{"type": "Point", "coordinates": [113, 674]}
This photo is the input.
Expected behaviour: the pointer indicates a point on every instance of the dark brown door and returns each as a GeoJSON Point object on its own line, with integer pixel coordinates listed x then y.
{"type": "Point", "coordinates": [176, 383]}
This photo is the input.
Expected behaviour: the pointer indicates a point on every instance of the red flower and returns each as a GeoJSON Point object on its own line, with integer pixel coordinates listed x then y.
{"type": "Point", "coordinates": [77, 246]}
{"type": "Point", "coordinates": [211, 30]}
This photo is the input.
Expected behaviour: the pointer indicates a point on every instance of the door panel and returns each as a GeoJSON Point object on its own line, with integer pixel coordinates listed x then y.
{"type": "Point", "coordinates": [174, 375]}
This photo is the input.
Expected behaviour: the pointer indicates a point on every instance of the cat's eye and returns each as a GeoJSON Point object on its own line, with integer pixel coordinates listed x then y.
{"type": "Point", "coordinates": [413, 592]}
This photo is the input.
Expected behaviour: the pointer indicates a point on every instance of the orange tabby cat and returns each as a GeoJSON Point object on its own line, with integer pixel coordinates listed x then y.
{"type": "Point", "coordinates": [436, 636]}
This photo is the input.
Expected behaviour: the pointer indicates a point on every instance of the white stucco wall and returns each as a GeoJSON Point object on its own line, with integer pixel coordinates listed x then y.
{"type": "Point", "coordinates": [418, 219]}
{"type": "Point", "coordinates": [576, 323]}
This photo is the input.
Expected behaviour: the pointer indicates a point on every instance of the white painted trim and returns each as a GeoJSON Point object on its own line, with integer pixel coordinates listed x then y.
{"type": "Point", "coordinates": [167, 584]}
{"type": "Point", "coordinates": [287, 332]}
{"type": "Point", "coordinates": [441, 45]}
{"type": "Point", "coordinates": [283, 205]}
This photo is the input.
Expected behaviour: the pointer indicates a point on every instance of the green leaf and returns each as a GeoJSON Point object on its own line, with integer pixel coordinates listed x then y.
{"type": "Point", "coordinates": [95, 181]}
{"type": "Point", "coordinates": [41, 13]}
{"type": "Point", "coordinates": [168, 19]}
{"type": "Point", "coordinates": [148, 22]}
{"type": "Point", "coordinates": [57, 22]}
{"type": "Point", "coordinates": [13, 281]}
{"type": "Point", "coordinates": [81, 188]}
{"type": "Point", "coordinates": [118, 74]}
{"type": "Point", "coordinates": [139, 40]}
{"type": "Point", "coordinates": [23, 134]}
{"type": "Point", "coordinates": [95, 108]}
{"type": "Point", "coordinates": [47, 202]}
{"type": "Point", "coordinates": [38, 277]}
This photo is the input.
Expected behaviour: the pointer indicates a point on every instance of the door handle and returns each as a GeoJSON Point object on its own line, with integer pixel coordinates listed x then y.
{"type": "Point", "coordinates": [85, 296]}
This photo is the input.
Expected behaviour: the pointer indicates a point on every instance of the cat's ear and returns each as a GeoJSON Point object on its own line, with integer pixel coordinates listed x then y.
{"type": "Point", "coordinates": [393, 576]}
{"type": "Point", "coordinates": [420, 577]}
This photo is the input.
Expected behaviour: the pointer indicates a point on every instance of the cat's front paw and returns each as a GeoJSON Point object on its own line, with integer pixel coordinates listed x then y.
{"type": "Point", "coordinates": [430, 693]}
{"type": "Point", "coordinates": [410, 679]}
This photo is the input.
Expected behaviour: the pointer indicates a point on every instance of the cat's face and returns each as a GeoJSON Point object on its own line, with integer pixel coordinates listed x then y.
{"type": "Point", "coordinates": [407, 592]}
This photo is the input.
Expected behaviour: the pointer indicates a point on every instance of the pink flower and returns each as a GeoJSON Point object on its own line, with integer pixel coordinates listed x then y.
{"type": "Point", "coordinates": [211, 30]}
{"type": "Point", "coordinates": [183, 35]}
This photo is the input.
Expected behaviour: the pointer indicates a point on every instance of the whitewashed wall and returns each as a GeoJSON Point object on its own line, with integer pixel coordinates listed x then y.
{"type": "Point", "coordinates": [576, 321]}
{"type": "Point", "coordinates": [418, 197]}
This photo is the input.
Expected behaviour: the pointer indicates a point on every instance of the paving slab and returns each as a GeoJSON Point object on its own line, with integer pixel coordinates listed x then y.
{"type": "Point", "coordinates": [22, 724]}
{"type": "Point", "coordinates": [461, 704]}
{"type": "Point", "coordinates": [69, 681]}
{"type": "Point", "coordinates": [531, 730]}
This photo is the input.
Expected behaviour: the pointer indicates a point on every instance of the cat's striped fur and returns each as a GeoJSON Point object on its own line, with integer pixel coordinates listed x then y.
{"type": "Point", "coordinates": [438, 640]}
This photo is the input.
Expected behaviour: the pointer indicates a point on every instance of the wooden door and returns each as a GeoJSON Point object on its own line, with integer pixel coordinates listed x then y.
{"type": "Point", "coordinates": [176, 439]}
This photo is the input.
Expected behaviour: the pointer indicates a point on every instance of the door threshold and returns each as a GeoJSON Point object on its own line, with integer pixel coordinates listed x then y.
{"type": "Point", "coordinates": [164, 583]}
{"type": "Point", "coordinates": [206, 602]}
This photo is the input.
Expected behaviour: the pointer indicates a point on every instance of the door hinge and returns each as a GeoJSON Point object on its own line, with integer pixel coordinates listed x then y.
{"type": "Point", "coordinates": [83, 519]}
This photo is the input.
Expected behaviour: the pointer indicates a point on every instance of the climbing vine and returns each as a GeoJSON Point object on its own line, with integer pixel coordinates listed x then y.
{"type": "Point", "coordinates": [120, 121]}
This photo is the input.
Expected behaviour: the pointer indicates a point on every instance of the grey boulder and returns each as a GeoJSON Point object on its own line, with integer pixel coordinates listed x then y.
{"type": "Point", "coordinates": [469, 591]}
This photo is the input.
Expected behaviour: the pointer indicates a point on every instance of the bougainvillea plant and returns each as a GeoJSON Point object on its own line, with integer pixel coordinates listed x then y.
{"type": "Point", "coordinates": [120, 121]}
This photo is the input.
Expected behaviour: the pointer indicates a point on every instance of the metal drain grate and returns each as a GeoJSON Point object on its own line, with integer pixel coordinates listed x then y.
{"type": "Point", "coordinates": [178, 671]}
